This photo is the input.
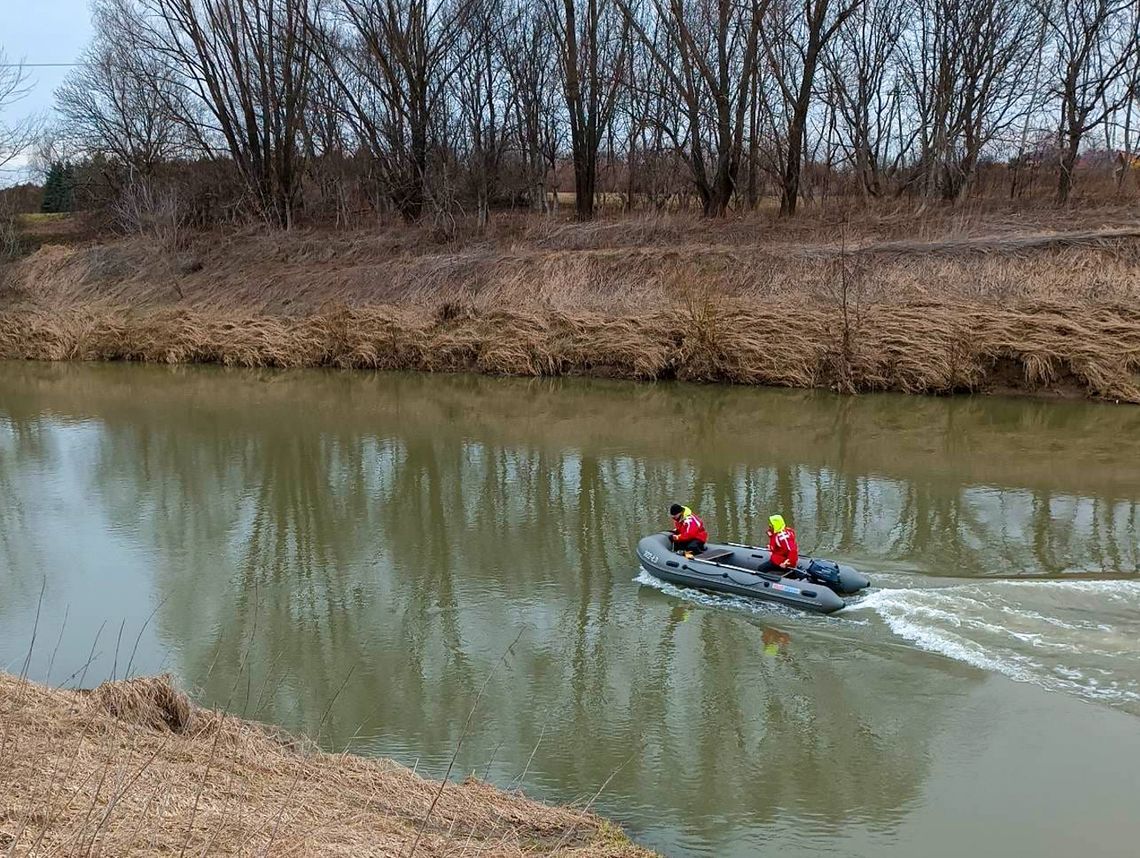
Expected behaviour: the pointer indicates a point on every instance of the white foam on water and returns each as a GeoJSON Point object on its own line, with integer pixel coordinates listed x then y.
{"type": "Point", "coordinates": [913, 622]}
{"type": "Point", "coordinates": [1061, 635]}
{"type": "Point", "coordinates": [1079, 637]}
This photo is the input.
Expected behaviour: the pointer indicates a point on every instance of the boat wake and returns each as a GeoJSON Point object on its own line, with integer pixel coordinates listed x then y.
{"type": "Point", "coordinates": [1081, 637]}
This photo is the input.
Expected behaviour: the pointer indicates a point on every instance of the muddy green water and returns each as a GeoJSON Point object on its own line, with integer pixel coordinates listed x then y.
{"type": "Point", "coordinates": [357, 556]}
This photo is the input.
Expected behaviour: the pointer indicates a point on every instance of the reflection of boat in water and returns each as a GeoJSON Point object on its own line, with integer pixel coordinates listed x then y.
{"type": "Point", "coordinates": [774, 641]}
{"type": "Point", "coordinates": [814, 585]}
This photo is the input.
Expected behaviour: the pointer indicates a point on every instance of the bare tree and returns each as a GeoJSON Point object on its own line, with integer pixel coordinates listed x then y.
{"type": "Point", "coordinates": [483, 100]}
{"type": "Point", "coordinates": [967, 66]}
{"type": "Point", "coordinates": [993, 78]}
{"type": "Point", "coordinates": [247, 62]}
{"type": "Point", "coordinates": [1094, 41]}
{"type": "Point", "coordinates": [863, 88]}
{"type": "Point", "coordinates": [329, 146]}
{"type": "Point", "coordinates": [526, 43]}
{"type": "Point", "coordinates": [795, 40]}
{"type": "Point", "coordinates": [118, 102]}
{"type": "Point", "coordinates": [15, 137]}
{"type": "Point", "coordinates": [394, 61]}
{"type": "Point", "coordinates": [1036, 100]}
{"type": "Point", "coordinates": [1128, 154]}
{"type": "Point", "coordinates": [654, 117]}
{"type": "Point", "coordinates": [707, 53]}
{"type": "Point", "coordinates": [590, 35]}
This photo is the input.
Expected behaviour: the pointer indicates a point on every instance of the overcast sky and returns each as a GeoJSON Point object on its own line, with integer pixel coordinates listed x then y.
{"type": "Point", "coordinates": [42, 31]}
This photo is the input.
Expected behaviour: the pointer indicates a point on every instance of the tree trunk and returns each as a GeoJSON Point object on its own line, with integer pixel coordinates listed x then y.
{"type": "Point", "coordinates": [1068, 163]}
{"type": "Point", "coordinates": [585, 174]}
{"type": "Point", "coordinates": [791, 191]}
{"type": "Point", "coordinates": [753, 193]}
{"type": "Point", "coordinates": [789, 194]}
{"type": "Point", "coordinates": [716, 205]}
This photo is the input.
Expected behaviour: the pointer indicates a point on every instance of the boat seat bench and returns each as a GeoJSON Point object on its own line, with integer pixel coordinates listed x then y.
{"type": "Point", "coordinates": [713, 556]}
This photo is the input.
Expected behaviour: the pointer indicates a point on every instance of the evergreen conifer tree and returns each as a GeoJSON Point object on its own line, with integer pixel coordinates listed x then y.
{"type": "Point", "coordinates": [57, 188]}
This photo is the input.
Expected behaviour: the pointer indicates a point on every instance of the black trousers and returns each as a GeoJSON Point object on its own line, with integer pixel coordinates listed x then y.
{"type": "Point", "coordinates": [769, 566]}
{"type": "Point", "coordinates": [694, 545]}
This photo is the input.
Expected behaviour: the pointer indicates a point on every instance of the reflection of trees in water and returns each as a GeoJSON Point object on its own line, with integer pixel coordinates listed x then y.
{"type": "Point", "coordinates": [26, 455]}
{"type": "Point", "coordinates": [291, 554]}
{"type": "Point", "coordinates": [265, 575]}
{"type": "Point", "coordinates": [416, 561]}
{"type": "Point", "coordinates": [958, 530]}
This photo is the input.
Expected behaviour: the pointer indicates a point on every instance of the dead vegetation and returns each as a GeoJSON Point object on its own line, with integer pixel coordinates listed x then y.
{"type": "Point", "coordinates": [931, 348]}
{"type": "Point", "coordinates": [955, 304]}
{"type": "Point", "coordinates": [134, 768]}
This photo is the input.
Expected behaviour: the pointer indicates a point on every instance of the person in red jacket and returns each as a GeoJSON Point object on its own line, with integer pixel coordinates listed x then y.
{"type": "Point", "coordinates": [689, 534]}
{"type": "Point", "coordinates": [782, 544]}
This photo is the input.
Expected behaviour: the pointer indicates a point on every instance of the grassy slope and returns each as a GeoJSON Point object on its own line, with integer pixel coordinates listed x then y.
{"type": "Point", "coordinates": [947, 302]}
{"type": "Point", "coordinates": [134, 768]}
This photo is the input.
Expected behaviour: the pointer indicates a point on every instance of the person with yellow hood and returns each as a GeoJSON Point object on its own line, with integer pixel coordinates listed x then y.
{"type": "Point", "coordinates": [782, 544]}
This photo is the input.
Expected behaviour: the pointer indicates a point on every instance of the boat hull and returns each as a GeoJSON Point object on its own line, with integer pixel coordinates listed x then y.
{"type": "Point", "coordinates": [734, 569]}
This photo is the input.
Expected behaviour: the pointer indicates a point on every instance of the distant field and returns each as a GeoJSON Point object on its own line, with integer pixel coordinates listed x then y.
{"type": "Point", "coordinates": [37, 229]}
{"type": "Point", "coordinates": [33, 218]}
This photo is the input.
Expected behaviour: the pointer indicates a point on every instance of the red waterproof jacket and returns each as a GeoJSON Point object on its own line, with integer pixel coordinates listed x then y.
{"type": "Point", "coordinates": [783, 546]}
{"type": "Point", "coordinates": [691, 527]}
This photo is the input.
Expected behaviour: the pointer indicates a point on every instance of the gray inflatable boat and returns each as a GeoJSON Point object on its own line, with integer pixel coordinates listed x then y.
{"type": "Point", "coordinates": [815, 585]}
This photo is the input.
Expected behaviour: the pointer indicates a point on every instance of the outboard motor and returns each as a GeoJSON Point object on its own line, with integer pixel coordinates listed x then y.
{"type": "Point", "coordinates": [842, 579]}
{"type": "Point", "coordinates": [824, 572]}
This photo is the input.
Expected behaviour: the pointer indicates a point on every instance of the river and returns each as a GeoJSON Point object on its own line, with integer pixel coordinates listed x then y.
{"type": "Point", "coordinates": [369, 558]}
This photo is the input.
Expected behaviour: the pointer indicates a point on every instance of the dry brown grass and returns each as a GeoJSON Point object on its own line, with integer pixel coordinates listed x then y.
{"type": "Point", "coordinates": [952, 301]}
{"type": "Point", "coordinates": [606, 266]}
{"type": "Point", "coordinates": [916, 348]}
{"type": "Point", "coordinates": [133, 768]}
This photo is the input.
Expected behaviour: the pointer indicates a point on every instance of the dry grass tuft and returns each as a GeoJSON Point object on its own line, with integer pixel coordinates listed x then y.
{"type": "Point", "coordinates": [149, 701]}
{"type": "Point", "coordinates": [134, 769]}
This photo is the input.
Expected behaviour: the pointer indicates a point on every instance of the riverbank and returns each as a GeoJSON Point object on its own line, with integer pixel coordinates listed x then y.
{"type": "Point", "coordinates": [136, 768]}
{"type": "Point", "coordinates": [1011, 305]}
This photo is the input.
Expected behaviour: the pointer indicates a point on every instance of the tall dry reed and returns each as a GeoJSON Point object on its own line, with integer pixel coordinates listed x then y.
{"type": "Point", "coordinates": [934, 347]}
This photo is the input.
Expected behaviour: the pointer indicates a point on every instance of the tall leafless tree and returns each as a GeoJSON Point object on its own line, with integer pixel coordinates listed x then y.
{"type": "Point", "coordinates": [118, 102]}
{"type": "Point", "coordinates": [1094, 41]}
{"type": "Point", "coordinates": [863, 87]}
{"type": "Point", "coordinates": [1128, 154]}
{"type": "Point", "coordinates": [17, 136]}
{"type": "Point", "coordinates": [247, 63]}
{"type": "Point", "coordinates": [526, 42]}
{"type": "Point", "coordinates": [967, 65]}
{"type": "Point", "coordinates": [708, 54]}
{"type": "Point", "coordinates": [483, 98]}
{"type": "Point", "coordinates": [797, 34]}
{"type": "Point", "coordinates": [590, 36]}
{"type": "Point", "coordinates": [394, 64]}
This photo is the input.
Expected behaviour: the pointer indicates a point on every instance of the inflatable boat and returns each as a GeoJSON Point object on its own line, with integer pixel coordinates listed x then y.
{"type": "Point", "coordinates": [814, 585]}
